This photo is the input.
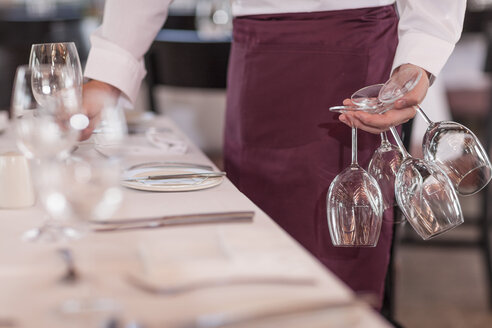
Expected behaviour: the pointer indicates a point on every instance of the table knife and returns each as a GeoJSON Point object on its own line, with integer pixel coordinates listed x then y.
{"type": "Point", "coordinates": [173, 220]}
{"type": "Point", "coordinates": [177, 176]}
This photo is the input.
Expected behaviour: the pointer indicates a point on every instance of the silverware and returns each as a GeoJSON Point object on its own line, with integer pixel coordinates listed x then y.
{"type": "Point", "coordinates": [225, 319]}
{"type": "Point", "coordinates": [71, 275]}
{"type": "Point", "coordinates": [177, 176]}
{"type": "Point", "coordinates": [218, 282]}
{"type": "Point", "coordinates": [171, 164]}
{"type": "Point", "coordinates": [173, 220]}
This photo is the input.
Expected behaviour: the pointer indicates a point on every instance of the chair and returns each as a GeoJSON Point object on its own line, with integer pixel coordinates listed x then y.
{"type": "Point", "coordinates": [180, 58]}
{"type": "Point", "coordinates": [196, 69]}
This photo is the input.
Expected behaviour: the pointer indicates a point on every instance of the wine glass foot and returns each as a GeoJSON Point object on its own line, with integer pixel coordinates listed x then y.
{"type": "Point", "coordinates": [50, 234]}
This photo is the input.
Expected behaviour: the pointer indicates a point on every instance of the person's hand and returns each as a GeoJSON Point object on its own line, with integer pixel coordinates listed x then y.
{"type": "Point", "coordinates": [402, 111]}
{"type": "Point", "coordinates": [96, 95]}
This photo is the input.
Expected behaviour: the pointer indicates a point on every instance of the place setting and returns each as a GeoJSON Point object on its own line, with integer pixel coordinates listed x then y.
{"type": "Point", "coordinates": [78, 182]}
{"type": "Point", "coordinates": [168, 176]}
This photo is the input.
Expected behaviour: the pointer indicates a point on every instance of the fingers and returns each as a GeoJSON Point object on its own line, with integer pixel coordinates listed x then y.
{"type": "Point", "coordinates": [353, 121]}
{"type": "Point", "coordinates": [96, 96]}
{"type": "Point", "coordinates": [402, 110]}
{"type": "Point", "coordinates": [348, 102]}
{"type": "Point", "coordinates": [377, 123]}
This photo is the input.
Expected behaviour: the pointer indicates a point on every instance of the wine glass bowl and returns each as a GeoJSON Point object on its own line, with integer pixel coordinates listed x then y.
{"type": "Point", "coordinates": [354, 204]}
{"type": "Point", "coordinates": [42, 131]}
{"type": "Point", "coordinates": [76, 190]}
{"type": "Point", "coordinates": [427, 198]}
{"type": "Point", "coordinates": [355, 209]}
{"type": "Point", "coordinates": [64, 57]}
{"type": "Point", "coordinates": [383, 166]}
{"type": "Point", "coordinates": [57, 54]}
{"type": "Point", "coordinates": [458, 152]}
{"type": "Point", "coordinates": [367, 98]}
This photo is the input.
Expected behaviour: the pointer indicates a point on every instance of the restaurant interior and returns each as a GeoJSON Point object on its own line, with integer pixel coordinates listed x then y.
{"type": "Point", "coordinates": [444, 282]}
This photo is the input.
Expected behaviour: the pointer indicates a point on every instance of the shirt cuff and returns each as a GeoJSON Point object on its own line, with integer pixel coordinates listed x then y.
{"type": "Point", "coordinates": [112, 64]}
{"type": "Point", "coordinates": [423, 50]}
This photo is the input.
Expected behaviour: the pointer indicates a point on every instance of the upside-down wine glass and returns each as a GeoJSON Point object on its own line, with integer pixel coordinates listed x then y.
{"type": "Point", "coordinates": [354, 205]}
{"type": "Point", "coordinates": [387, 158]}
{"type": "Point", "coordinates": [451, 145]}
{"type": "Point", "coordinates": [424, 192]}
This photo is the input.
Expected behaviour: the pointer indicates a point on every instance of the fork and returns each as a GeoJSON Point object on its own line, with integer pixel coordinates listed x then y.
{"type": "Point", "coordinates": [217, 282]}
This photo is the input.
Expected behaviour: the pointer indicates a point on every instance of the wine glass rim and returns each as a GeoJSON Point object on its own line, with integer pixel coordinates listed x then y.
{"type": "Point", "coordinates": [367, 87]}
{"type": "Point", "coordinates": [343, 108]}
{"type": "Point", "coordinates": [48, 43]}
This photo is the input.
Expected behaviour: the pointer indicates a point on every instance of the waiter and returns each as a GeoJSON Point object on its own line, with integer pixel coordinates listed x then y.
{"type": "Point", "coordinates": [290, 61]}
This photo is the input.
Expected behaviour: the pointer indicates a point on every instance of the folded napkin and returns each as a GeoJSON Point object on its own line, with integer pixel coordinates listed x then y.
{"type": "Point", "coordinates": [154, 142]}
{"type": "Point", "coordinates": [189, 255]}
{"type": "Point", "coordinates": [166, 140]}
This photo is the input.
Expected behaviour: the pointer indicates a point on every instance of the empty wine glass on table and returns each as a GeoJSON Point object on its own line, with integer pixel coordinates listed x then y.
{"type": "Point", "coordinates": [354, 205]}
{"type": "Point", "coordinates": [46, 124]}
{"type": "Point", "coordinates": [48, 128]}
{"type": "Point", "coordinates": [76, 190]}
{"type": "Point", "coordinates": [63, 55]}
{"type": "Point", "coordinates": [58, 54]}
{"type": "Point", "coordinates": [85, 186]}
{"type": "Point", "coordinates": [387, 158]}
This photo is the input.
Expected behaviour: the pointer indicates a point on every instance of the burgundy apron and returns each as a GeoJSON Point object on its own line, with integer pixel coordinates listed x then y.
{"type": "Point", "coordinates": [283, 147]}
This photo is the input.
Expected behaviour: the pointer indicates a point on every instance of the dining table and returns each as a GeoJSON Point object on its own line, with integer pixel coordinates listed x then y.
{"type": "Point", "coordinates": [240, 273]}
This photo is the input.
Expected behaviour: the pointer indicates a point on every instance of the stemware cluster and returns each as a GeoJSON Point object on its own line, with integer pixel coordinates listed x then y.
{"type": "Point", "coordinates": [426, 190]}
{"type": "Point", "coordinates": [48, 117]}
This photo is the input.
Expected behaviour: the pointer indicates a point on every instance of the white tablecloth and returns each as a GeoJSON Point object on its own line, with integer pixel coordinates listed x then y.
{"type": "Point", "coordinates": [32, 295]}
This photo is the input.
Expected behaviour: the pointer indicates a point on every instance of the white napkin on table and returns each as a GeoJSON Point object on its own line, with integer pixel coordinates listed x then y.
{"type": "Point", "coordinates": [154, 142]}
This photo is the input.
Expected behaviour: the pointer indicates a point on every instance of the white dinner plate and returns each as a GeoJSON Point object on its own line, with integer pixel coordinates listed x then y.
{"type": "Point", "coordinates": [187, 184]}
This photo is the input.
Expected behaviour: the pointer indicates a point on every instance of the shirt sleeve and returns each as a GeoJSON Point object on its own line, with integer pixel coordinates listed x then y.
{"type": "Point", "coordinates": [428, 31]}
{"type": "Point", "coordinates": [119, 44]}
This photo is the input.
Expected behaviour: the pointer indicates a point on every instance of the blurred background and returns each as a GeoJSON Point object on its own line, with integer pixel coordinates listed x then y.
{"type": "Point", "coordinates": [445, 282]}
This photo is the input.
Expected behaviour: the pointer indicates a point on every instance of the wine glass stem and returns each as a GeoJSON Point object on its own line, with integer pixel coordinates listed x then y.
{"type": "Point", "coordinates": [354, 146]}
{"type": "Point", "coordinates": [424, 116]}
{"type": "Point", "coordinates": [384, 138]}
{"type": "Point", "coordinates": [399, 142]}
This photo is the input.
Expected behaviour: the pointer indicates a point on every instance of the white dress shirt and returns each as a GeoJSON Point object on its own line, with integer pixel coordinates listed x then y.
{"type": "Point", "coordinates": [427, 31]}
